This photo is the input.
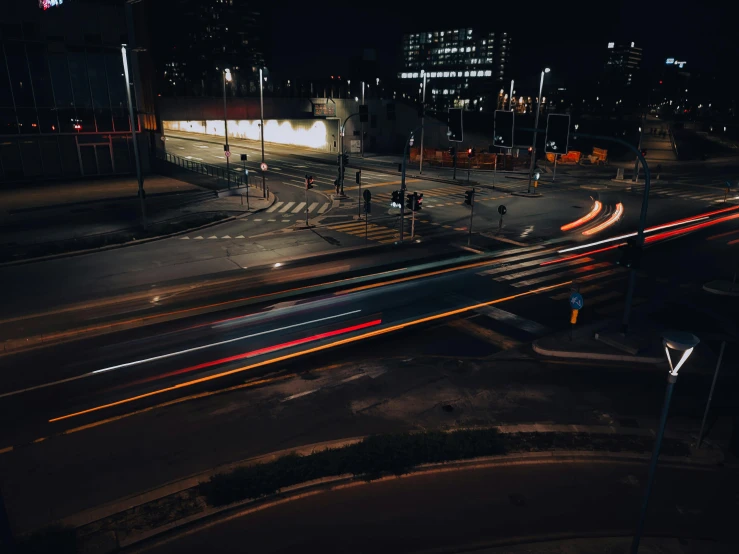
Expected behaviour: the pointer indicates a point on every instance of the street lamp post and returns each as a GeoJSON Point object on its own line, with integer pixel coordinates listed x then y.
{"type": "Point", "coordinates": [361, 143]}
{"type": "Point", "coordinates": [636, 163]}
{"type": "Point", "coordinates": [423, 119]}
{"type": "Point", "coordinates": [510, 97]}
{"type": "Point", "coordinates": [226, 77]}
{"type": "Point", "coordinates": [536, 127]}
{"type": "Point", "coordinates": [682, 343]}
{"type": "Point", "coordinates": [139, 175]}
{"type": "Point", "coordinates": [261, 127]}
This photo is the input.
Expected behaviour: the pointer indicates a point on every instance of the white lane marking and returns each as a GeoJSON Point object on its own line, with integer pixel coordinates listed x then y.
{"type": "Point", "coordinates": [257, 220]}
{"type": "Point", "coordinates": [273, 168]}
{"type": "Point", "coordinates": [274, 206]}
{"type": "Point", "coordinates": [225, 237]}
{"type": "Point", "coordinates": [312, 207]}
{"type": "Point", "coordinates": [198, 238]}
{"type": "Point", "coordinates": [513, 319]}
{"type": "Point", "coordinates": [240, 237]}
{"type": "Point", "coordinates": [286, 207]}
{"type": "Point", "coordinates": [184, 238]}
{"type": "Point", "coordinates": [172, 354]}
{"type": "Point", "coordinates": [212, 237]}
{"type": "Point", "coordinates": [306, 393]}
{"type": "Point", "coordinates": [324, 208]}
{"type": "Point", "coordinates": [298, 208]}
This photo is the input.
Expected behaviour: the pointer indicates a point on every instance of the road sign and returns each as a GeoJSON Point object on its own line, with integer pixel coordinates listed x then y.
{"type": "Point", "coordinates": [243, 157]}
{"type": "Point", "coordinates": [263, 166]}
{"type": "Point", "coordinates": [558, 133]}
{"type": "Point", "coordinates": [576, 301]}
{"type": "Point", "coordinates": [729, 184]}
{"type": "Point", "coordinates": [502, 209]}
{"type": "Point", "coordinates": [367, 195]}
{"type": "Point", "coordinates": [227, 153]}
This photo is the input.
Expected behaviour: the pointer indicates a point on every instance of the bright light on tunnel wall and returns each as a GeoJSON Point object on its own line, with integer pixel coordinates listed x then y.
{"type": "Point", "coordinates": [308, 133]}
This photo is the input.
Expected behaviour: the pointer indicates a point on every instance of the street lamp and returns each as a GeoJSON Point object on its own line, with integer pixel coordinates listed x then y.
{"type": "Point", "coordinates": [536, 126]}
{"type": "Point", "coordinates": [226, 78]}
{"type": "Point", "coordinates": [682, 344]}
{"type": "Point", "coordinates": [133, 122]}
{"type": "Point", "coordinates": [261, 125]}
{"type": "Point", "coordinates": [423, 118]}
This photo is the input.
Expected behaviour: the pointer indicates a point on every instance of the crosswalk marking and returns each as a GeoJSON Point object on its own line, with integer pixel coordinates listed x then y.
{"type": "Point", "coordinates": [286, 207]}
{"type": "Point", "coordinates": [515, 320]}
{"type": "Point", "coordinates": [560, 274]}
{"type": "Point", "coordinates": [545, 269]}
{"type": "Point", "coordinates": [323, 208]}
{"type": "Point", "coordinates": [312, 207]}
{"type": "Point", "coordinates": [488, 335]}
{"type": "Point", "coordinates": [595, 300]}
{"type": "Point", "coordinates": [274, 206]}
{"type": "Point", "coordinates": [298, 208]}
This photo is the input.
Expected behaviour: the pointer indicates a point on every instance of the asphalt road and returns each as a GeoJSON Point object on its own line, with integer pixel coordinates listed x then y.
{"type": "Point", "coordinates": [471, 509]}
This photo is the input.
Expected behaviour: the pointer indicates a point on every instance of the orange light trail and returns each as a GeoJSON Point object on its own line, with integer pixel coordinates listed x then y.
{"type": "Point", "coordinates": [320, 348]}
{"type": "Point", "coordinates": [608, 222]}
{"type": "Point", "coordinates": [597, 207]}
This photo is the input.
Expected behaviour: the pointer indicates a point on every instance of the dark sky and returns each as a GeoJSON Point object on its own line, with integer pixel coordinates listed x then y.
{"type": "Point", "coordinates": [570, 37]}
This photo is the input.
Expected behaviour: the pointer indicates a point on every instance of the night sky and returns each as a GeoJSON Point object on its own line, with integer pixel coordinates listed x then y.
{"type": "Point", "coordinates": [570, 37]}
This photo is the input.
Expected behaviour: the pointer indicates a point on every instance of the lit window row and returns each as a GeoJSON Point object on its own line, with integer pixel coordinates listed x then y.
{"type": "Point", "coordinates": [442, 74]}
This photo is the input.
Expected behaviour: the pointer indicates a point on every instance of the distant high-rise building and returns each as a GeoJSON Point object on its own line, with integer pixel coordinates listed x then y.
{"type": "Point", "coordinates": [207, 36]}
{"type": "Point", "coordinates": [464, 67]}
{"type": "Point", "coordinates": [623, 62]}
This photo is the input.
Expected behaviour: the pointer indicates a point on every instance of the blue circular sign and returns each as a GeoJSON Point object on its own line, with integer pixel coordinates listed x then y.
{"type": "Point", "coordinates": [576, 301]}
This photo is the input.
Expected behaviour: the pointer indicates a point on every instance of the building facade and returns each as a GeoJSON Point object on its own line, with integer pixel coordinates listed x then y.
{"type": "Point", "coordinates": [202, 38]}
{"type": "Point", "coordinates": [622, 63]}
{"type": "Point", "coordinates": [63, 105]}
{"type": "Point", "coordinates": [464, 67]}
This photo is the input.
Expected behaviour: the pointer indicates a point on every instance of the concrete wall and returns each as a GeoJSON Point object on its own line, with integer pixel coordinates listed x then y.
{"type": "Point", "coordinates": [291, 121]}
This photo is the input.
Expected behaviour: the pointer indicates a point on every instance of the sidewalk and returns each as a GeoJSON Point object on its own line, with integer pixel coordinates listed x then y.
{"type": "Point", "coordinates": [55, 194]}
{"type": "Point", "coordinates": [59, 219]}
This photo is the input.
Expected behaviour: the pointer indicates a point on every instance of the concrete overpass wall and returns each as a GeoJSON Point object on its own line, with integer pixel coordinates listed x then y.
{"type": "Point", "coordinates": [291, 121]}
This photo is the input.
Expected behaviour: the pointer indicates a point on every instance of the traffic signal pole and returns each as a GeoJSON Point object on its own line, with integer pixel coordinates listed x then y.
{"type": "Point", "coordinates": [642, 216]}
{"type": "Point", "coordinates": [472, 211]}
{"type": "Point", "coordinates": [342, 132]}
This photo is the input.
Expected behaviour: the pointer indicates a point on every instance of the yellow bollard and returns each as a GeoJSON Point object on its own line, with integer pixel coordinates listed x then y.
{"type": "Point", "coordinates": [573, 316]}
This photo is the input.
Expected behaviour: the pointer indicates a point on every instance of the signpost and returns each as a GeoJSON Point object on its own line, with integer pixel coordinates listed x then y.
{"type": "Point", "coordinates": [576, 303]}
{"type": "Point", "coordinates": [367, 209]}
{"type": "Point", "coordinates": [246, 177]}
{"type": "Point", "coordinates": [502, 211]}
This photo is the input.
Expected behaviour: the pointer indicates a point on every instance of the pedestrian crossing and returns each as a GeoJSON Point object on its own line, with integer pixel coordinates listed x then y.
{"type": "Point", "coordinates": [298, 207]}
{"type": "Point", "coordinates": [709, 195]}
{"type": "Point", "coordinates": [372, 231]}
{"type": "Point", "coordinates": [442, 196]}
{"type": "Point", "coordinates": [600, 282]}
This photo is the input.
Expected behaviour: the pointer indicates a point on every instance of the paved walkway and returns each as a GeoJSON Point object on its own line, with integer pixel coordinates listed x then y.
{"type": "Point", "coordinates": [658, 147]}
{"type": "Point", "coordinates": [70, 192]}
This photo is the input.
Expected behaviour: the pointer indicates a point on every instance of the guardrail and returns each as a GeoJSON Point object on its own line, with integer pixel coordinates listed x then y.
{"type": "Point", "coordinates": [209, 176]}
{"type": "Point", "coordinates": [673, 143]}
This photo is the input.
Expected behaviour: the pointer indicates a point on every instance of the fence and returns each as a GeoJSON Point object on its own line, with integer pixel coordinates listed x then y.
{"type": "Point", "coordinates": [482, 160]}
{"type": "Point", "coordinates": [197, 173]}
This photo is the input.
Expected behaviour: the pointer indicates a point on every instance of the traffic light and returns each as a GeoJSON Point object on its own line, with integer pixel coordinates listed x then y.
{"type": "Point", "coordinates": [359, 176]}
{"type": "Point", "coordinates": [531, 149]}
{"type": "Point", "coordinates": [309, 181]}
{"type": "Point", "coordinates": [243, 157]}
{"type": "Point", "coordinates": [455, 125]}
{"type": "Point", "coordinates": [452, 151]}
{"type": "Point", "coordinates": [558, 133]}
{"type": "Point", "coordinates": [503, 125]}
{"type": "Point", "coordinates": [630, 254]}
{"type": "Point", "coordinates": [364, 113]}
{"type": "Point", "coordinates": [469, 197]}
{"type": "Point", "coordinates": [396, 200]}
{"type": "Point", "coordinates": [644, 152]}
{"type": "Point", "coordinates": [470, 152]}
{"type": "Point", "coordinates": [409, 202]}
{"type": "Point", "coordinates": [417, 201]}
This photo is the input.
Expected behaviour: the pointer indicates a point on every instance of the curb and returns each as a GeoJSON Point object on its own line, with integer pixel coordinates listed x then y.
{"type": "Point", "coordinates": [527, 194]}
{"type": "Point", "coordinates": [134, 242]}
{"type": "Point", "coordinates": [594, 355]}
{"type": "Point", "coordinates": [208, 518]}
{"type": "Point", "coordinates": [713, 288]}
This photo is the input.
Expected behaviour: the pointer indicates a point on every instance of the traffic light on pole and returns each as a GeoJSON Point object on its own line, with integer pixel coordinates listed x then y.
{"type": "Point", "coordinates": [503, 125]}
{"type": "Point", "coordinates": [309, 181]}
{"type": "Point", "coordinates": [359, 176]}
{"type": "Point", "coordinates": [452, 151]}
{"type": "Point", "coordinates": [417, 201]}
{"type": "Point", "coordinates": [409, 202]}
{"type": "Point", "coordinates": [631, 254]}
{"type": "Point", "coordinates": [396, 200]}
{"type": "Point", "coordinates": [469, 197]}
{"type": "Point", "coordinates": [558, 133]}
{"type": "Point", "coordinates": [470, 152]}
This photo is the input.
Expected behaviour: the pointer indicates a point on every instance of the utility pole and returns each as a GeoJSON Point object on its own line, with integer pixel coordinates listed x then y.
{"type": "Point", "coordinates": [510, 97]}
{"type": "Point", "coordinates": [536, 128]}
{"type": "Point", "coordinates": [636, 162]}
{"type": "Point", "coordinates": [361, 142]}
{"type": "Point", "coordinates": [226, 77]}
{"type": "Point", "coordinates": [132, 120]}
{"type": "Point", "coordinates": [261, 105]}
{"type": "Point", "coordinates": [423, 118]}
